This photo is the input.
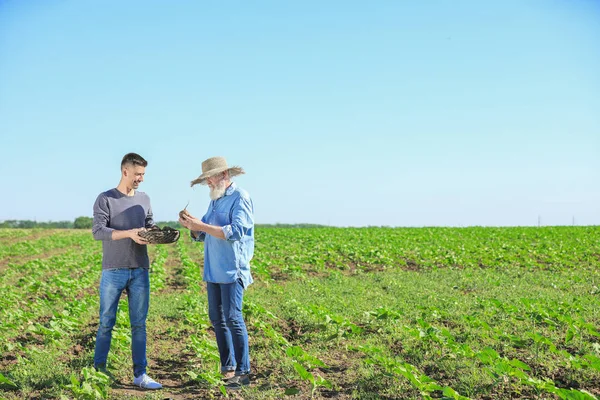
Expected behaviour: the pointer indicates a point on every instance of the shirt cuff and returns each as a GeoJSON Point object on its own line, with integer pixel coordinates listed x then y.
{"type": "Point", "coordinates": [227, 231]}
{"type": "Point", "coordinates": [199, 236]}
{"type": "Point", "coordinates": [107, 233]}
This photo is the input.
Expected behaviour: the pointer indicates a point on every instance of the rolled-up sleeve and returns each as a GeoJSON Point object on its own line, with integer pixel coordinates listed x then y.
{"type": "Point", "coordinates": [200, 236]}
{"type": "Point", "coordinates": [242, 219]}
{"type": "Point", "coordinates": [100, 228]}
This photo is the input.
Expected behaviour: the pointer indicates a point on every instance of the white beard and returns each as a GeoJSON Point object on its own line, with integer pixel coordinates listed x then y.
{"type": "Point", "coordinates": [218, 191]}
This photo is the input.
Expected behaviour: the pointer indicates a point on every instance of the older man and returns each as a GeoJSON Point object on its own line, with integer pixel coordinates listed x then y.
{"type": "Point", "coordinates": [227, 230]}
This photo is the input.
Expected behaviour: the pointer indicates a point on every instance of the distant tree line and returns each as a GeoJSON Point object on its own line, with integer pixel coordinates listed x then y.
{"type": "Point", "coordinates": [86, 223]}
{"type": "Point", "coordinates": [78, 223]}
{"type": "Point", "coordinates": [26, 224]}
{"type": "Point", "coordinates": [290, 226]}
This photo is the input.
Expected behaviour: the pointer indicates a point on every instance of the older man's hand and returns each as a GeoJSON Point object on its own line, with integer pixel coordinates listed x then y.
{"type": "Point", "coordinates": [190, 222]}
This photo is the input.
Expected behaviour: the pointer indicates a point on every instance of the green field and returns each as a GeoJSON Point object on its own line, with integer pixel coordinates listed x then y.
{"type": "Point", "coordinates": [365, 313]}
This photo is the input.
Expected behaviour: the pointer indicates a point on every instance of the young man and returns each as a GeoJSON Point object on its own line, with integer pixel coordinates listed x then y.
{"type": "Point", "coordinates": [119, 214]}
{"type": "Point", "coordinates": [227, 230]}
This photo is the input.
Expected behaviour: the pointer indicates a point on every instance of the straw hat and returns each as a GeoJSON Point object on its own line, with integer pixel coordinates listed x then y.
{"type": "Point", "coordinates": [214, 166]}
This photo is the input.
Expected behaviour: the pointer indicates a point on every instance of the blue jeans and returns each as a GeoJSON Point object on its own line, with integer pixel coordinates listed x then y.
{"type": "Point", "coordinates": [225, 313]}
{"type": "Point", "coordinates": [137, 284]}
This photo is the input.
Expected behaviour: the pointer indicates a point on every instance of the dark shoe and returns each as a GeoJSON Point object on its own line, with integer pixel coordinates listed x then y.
{"type": "Point", "coordinates": [237, 382]}
{"type": "Point", "coordinates": [227, 375]}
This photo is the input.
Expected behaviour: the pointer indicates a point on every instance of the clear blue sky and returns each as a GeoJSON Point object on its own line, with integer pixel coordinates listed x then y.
{"type": "Point", "coordinates": [400, 113]}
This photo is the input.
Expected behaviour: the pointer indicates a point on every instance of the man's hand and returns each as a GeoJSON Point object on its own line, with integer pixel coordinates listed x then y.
{"type": "Point", "coordinates": [195, 225]}
{"type": "Point", "coordinates": [190, 222]}
{"type": "Point", "coordinates": [133, 234]}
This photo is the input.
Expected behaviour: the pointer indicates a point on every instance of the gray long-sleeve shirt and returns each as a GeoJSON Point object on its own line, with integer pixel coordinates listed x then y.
{"type": "Point", "coordinates": [114, 210]}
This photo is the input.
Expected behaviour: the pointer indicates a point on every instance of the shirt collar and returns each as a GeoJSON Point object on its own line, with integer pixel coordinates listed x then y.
{"type": "Point", "coordinates": [230, 189]}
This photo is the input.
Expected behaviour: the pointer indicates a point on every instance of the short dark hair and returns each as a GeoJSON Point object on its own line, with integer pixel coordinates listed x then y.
{"type": "Point", "coordinates": [135, 159]}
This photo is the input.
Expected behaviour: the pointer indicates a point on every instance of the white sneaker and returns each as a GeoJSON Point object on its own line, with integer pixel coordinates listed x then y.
{"type": "Point", "coordinates": [145, 382]}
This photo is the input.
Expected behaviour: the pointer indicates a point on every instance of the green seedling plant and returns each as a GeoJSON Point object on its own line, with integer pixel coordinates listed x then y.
{"type": "Point", "coordinates": [93, 385]}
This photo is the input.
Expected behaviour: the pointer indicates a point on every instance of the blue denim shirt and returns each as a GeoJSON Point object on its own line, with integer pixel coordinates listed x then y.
{"type": "Point", "coordinates": [226, 260]}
